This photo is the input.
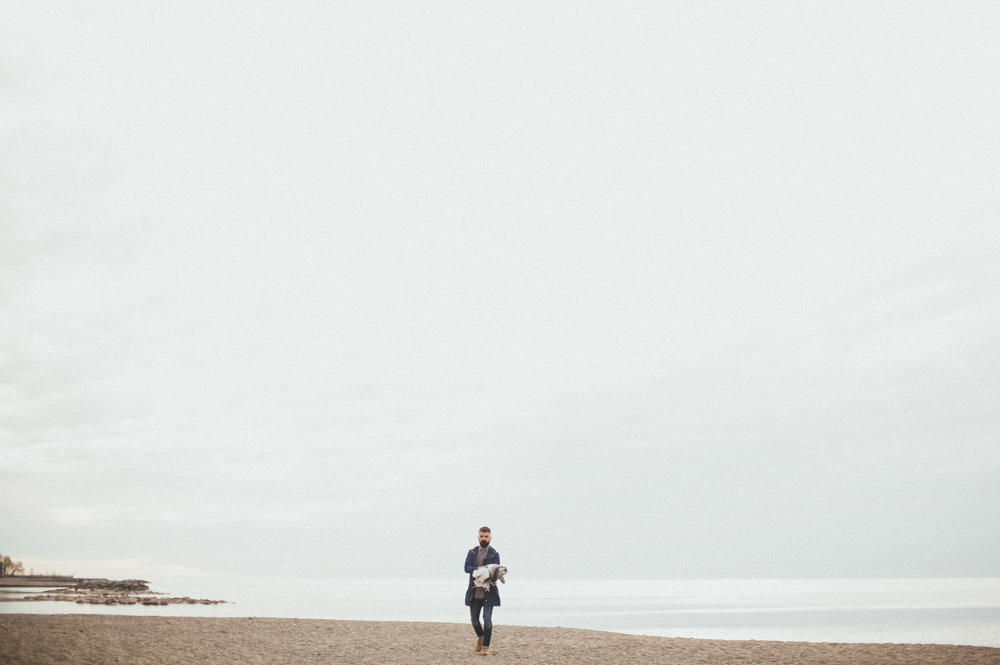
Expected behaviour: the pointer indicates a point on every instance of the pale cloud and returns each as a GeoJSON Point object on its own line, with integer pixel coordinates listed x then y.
{"type": "Point", "coordinates": [295, 279]}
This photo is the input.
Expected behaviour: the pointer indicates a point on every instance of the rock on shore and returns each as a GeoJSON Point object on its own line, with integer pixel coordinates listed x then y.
{"type": "Point", "coordinates": [121, 599]}
{"type": "Point", "coordinates": [99, 591]}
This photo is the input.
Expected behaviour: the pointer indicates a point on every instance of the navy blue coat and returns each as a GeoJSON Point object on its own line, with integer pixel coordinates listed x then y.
{"type": "Point", "coordinates": [492, 556]}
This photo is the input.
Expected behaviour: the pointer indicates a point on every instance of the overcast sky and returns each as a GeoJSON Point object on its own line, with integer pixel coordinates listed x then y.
{"type": "Point", "coordinates": [684, 289]}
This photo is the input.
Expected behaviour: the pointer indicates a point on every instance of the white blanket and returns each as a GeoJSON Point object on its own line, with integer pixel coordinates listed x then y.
{"type": "Point", "coordinates": [487, 576]}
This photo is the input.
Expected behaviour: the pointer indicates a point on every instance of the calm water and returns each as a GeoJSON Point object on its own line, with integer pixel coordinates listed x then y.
{"type": "Point", "coordinates": [943, 611]}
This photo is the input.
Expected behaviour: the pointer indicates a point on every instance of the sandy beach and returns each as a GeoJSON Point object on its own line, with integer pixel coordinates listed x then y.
{"type": "Point", "coordinates": [98, 639]}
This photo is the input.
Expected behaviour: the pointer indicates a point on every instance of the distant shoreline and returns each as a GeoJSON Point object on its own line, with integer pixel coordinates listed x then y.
{"type": "Point", "coordinates": [38, 580]}
{"type": "Point", "coordinates": [93, 591]}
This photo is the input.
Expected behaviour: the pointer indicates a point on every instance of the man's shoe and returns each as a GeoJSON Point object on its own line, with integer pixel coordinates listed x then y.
{"type": "Point", "coordinates": [484, 652]}
{"type": "Point", "coordinates": [479, 644]}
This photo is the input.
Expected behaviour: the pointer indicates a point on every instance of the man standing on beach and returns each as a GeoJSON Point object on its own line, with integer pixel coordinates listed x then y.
{"type": "Point", "coordinates": [477, 598]}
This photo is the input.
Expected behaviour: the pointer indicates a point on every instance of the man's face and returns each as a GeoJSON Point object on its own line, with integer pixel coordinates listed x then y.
{"type": "Point", "coordinates": [484, 539]}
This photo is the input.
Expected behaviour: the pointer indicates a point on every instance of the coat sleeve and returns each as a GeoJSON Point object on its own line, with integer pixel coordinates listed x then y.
{"type": "Point", "coordinates": [470, 561]}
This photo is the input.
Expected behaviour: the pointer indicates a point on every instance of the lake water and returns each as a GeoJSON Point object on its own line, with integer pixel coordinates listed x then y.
{"type": "Point", "coordinates": [941, 611]}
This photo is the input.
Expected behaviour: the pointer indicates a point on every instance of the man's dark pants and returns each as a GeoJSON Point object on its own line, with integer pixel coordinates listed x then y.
{"type": "Point", "coordinates": [485, 629]}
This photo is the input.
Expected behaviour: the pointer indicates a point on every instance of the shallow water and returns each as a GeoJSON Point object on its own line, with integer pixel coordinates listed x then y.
{"type": "Point", "coordinates": [941, 611]}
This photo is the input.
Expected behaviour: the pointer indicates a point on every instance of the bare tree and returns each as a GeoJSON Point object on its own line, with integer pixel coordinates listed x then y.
{"type": "Point", "coordinates": [10, 567]}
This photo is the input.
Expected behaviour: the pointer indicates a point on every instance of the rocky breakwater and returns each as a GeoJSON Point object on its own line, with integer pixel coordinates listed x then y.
{"type": "Point", "coordinates": [116, 592]}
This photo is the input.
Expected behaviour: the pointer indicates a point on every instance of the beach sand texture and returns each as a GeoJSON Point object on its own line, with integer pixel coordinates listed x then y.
{"type": "Point", "coordinates": [101, 639]}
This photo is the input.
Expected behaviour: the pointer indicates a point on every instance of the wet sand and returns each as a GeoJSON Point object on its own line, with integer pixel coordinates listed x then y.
{"type": "Point", "coordinates": [99, 639]}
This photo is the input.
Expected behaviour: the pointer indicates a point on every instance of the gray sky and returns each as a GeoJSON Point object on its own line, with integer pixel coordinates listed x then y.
{"type": "Point", "coordinates": [703, 289]}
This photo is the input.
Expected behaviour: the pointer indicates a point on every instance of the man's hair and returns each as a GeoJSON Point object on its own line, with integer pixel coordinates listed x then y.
{"type": "Point", "coordinates": [484, 529]}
